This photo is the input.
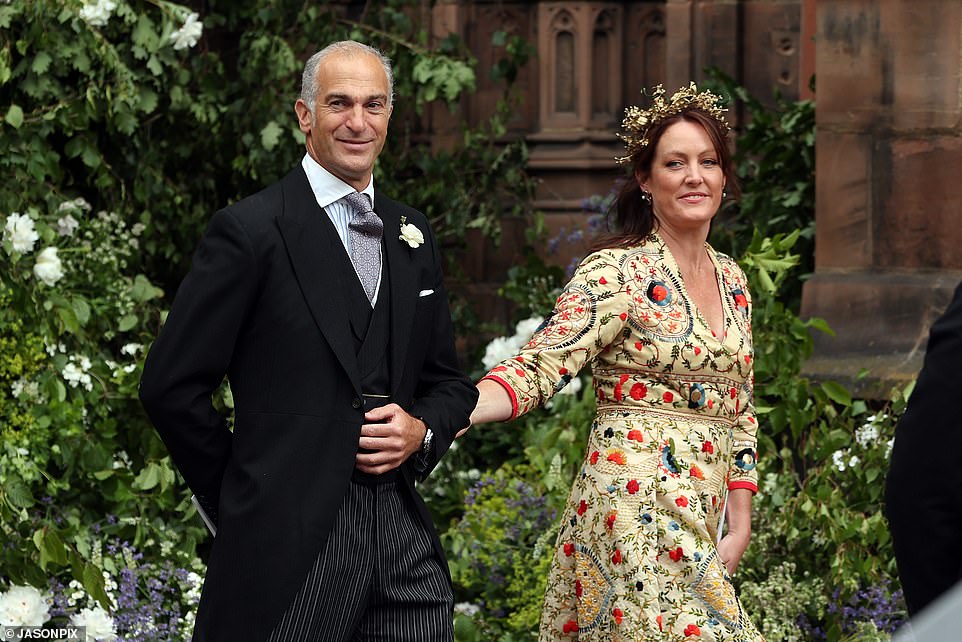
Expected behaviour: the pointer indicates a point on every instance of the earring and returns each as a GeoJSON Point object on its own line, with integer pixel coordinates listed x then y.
{"type": "Point", "coordinates": [646, 196]}
{"type": "Point", "coordinates": [724, 194]}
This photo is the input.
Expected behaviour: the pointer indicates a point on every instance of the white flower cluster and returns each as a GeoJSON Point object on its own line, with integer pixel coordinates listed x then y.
{"type": "Point", "coordinates": [96, 14]}
{"type": "Point", "coordinates": [67, 224]}
{"type": "Point", "coordinates": [841, 459]}
{"type": "Point", "coordinates": [24, 606]}
{"type": "Point", "coordinates": [189, 33]}
{"type": "Point", "coordinates": [29, 390]}
{"type": "Point", "coordinates": [76, 372]}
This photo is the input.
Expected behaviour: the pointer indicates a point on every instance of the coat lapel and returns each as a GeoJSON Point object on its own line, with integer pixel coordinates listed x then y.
{"type": "Point", "coordinates": [313, 243]}
{"type": "Point", "coordinates": [404, 285]}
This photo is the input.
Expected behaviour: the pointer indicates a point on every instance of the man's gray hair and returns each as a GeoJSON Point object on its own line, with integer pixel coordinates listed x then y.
{"type": "Point", "coordinates": [350, 47]}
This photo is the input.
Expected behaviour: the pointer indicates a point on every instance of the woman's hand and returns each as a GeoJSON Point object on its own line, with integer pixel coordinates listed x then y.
{"type": "Point", "coordinates": [731, 548]}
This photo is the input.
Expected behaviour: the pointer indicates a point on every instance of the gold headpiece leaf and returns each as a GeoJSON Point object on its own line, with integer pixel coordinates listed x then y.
{"type": "Point", "coordinates": [638, 122]}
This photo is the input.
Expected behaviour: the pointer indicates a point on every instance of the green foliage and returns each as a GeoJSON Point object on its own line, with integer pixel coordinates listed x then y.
{"type": "Point", "coordinates": [775, 163]}
{"type": "Point", "coordinates": [501, 550]}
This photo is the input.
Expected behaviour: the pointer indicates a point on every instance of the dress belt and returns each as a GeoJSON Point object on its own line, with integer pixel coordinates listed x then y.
{"type": "Point", "coordinates": [372, 401]}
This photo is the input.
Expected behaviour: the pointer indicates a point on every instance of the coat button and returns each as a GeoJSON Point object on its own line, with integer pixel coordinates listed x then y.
{"type": "Point", "coordinates": [356, 403]}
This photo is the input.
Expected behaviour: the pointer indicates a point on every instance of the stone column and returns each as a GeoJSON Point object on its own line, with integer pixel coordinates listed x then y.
{"type": "Point", "coordinates": [888, 246]}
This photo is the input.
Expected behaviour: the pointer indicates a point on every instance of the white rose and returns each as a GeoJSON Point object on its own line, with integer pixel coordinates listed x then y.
{"type": "Point", "coordinates": [498, 350]}
{"type": "Point", "coordinates": [100, 626]}
{"type": "Point", "coordinates": [21, 233]}
{"type": "Point", "coordinates": [23, 606]}
{"type": "Point", "coordinates": [48, 267]}
{"type": "Point", "coordinates": [411, 235]}
{"type": "Point", "coordinates": [189, 33]}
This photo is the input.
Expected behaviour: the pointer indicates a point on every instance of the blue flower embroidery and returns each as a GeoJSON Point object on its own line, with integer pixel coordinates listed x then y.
{"type": "Point", "coordinates": [696, 396]}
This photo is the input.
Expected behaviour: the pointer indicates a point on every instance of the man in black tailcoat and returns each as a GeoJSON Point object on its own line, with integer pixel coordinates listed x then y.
{"type": "Point", "coordinates": [332, 325]}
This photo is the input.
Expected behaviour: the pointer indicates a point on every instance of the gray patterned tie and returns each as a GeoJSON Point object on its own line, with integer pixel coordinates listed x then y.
{"type": "Point", "coordinates": [366, 229]}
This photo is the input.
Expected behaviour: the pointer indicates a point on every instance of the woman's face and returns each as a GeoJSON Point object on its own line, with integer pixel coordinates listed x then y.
{"type": "Point", "coordinates": [686, 179]}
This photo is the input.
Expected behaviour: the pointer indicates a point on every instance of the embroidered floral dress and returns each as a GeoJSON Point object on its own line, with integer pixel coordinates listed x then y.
{"type": "Point", "coordinates": [675, 429]}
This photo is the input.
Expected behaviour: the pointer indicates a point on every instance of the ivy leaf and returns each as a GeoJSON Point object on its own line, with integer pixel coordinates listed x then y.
{"type": "Point", "coordinates": [15, 116]}
{"type": "Point", "coordinates": [271, 135]}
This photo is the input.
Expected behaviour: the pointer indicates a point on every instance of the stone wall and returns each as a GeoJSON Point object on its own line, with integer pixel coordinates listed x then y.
{"type": "Point", "coordinates": [888, 183]}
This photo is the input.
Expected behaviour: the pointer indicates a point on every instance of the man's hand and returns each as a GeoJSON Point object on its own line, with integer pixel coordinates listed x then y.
{"type": "Point", "coordinates": [388, 439]}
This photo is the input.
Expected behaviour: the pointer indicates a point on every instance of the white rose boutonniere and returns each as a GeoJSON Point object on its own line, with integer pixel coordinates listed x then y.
{"type": "Point", "coordinates": [410, 234]}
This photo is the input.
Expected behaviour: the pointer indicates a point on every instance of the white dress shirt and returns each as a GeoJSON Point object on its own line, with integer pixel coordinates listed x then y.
{"type": "Point", "coordinates": [330, 191]}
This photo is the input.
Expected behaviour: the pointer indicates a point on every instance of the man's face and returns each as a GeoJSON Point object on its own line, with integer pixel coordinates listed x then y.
{"type": "Point", "coordinates": [347, 130]}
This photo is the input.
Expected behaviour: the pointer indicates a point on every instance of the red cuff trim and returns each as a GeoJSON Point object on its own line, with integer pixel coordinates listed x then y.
{"type": "Point", "coordinates": [744, 484]}
{"type": "Point", "coordinates": [510, 391]}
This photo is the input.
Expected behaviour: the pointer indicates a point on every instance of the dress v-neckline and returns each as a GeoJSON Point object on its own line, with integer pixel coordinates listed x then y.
{"type": "Point", "coordinates": [719, 286]}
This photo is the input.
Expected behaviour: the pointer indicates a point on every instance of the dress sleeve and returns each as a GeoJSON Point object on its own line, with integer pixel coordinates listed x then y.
{"type": "Point", "coordinates": [742, 473]}
{"type": "Point", "coordinates": [587, 317]}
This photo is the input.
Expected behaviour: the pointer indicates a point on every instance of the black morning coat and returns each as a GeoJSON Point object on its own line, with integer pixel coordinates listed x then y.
{"type": "Point", "coordinates": [263, 305]}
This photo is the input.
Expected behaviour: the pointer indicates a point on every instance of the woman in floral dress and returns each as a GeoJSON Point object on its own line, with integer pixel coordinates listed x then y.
{"type": "Point", "coordinates": [664, 321]}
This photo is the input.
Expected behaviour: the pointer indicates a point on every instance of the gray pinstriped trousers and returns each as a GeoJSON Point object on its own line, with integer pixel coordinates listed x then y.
{"type": "Point", "coordinates": [376, 580]}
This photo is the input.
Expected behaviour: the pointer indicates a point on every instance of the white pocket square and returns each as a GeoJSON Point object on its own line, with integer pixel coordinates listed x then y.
{"type": "Point", "coordinates": [425, 293]}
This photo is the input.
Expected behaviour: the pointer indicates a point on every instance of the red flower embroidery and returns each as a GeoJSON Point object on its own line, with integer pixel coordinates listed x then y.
{"type": "Point", "coordinates": [635, 435]}
{"type": "Point", "coordinates": [633, 487]}
{"type": "Point", "coordinates": [692, 630]}
{"type": "Point", "coordinates": [578, 588]}
{"type": "Point", "coordinates": [569, 549]}
{"type": "Point", "coordinates": [682, 501]}
{"type": "Point", "coordinates": [519, 359]}
{"type": "Point", "coordinates": [658, 620]}
{"type": "Point", "coordinates": [638, 345]}
{"type": "Point", "coordinates": [668, 396]}
{"type": "Point", "coordinates": [741, 301]}
{"type": "Point", "coordinates": [594, 457]}
{"type": "Point", "coordinates": [695, 472]}
{"type": "Point", "coordinates": [708, 447]}
{"type": "Point", "coordinates": [697, 351]}
{"type": "Point", "coordinates": [610, 520]}
{"type": "Point", "coordinates": [499, 369]}
{"type": "Point", "coordinates": [618, 615]}
{"type": "Point", "coordinates": [570, 627]}
{"type": "Point", "coordinates": [748, 358]}
{"type": "Point", "coordinates": [616, 558]}
{"type": "Point", "coordinates": [562, 371]}
{"type": "Point", "coordinates": [582, 507]}
{"type": "Point", "coordinates": [658, 293]}
{"type": "Point", "coordinates": [638, 391]}
{"type": "Point", "coordinates": [676, 554]}
{"type": "Point", "coordinates": [618, 457]}
{"type": "Point", "coordinates": [623, 316]}
{"type": "Point", "coordinates": [733, 392]}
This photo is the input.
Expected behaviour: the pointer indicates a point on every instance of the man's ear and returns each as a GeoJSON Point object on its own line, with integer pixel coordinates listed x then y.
{"type": "Point", "coordinates": [305, 119]}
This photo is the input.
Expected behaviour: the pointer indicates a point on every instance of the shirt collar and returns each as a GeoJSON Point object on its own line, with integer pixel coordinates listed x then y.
{"type": "Point", "coordinates": [327, 187]}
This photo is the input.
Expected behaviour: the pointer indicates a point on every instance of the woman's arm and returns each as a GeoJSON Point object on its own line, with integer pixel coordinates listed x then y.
{"type": "Point", "coordinates": [732, 546]}
{"type": "Point", "coordinates": [494, 404]}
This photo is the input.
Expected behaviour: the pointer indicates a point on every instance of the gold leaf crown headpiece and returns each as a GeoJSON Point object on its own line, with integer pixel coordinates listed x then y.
{"type": "Point", "coordinates": [638, 122]}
